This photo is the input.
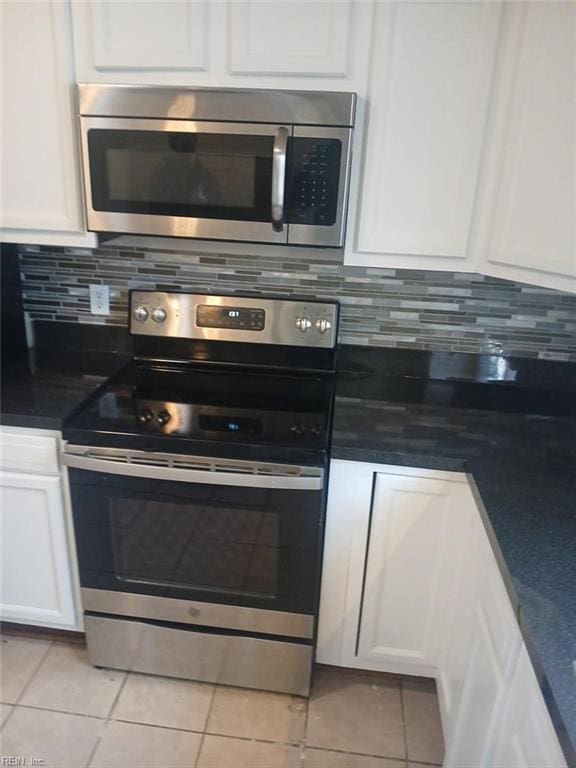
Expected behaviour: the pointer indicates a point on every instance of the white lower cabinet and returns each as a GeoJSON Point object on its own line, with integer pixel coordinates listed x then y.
{"type": "Point", "coordinates": [407, 537]}
{"type": "Point", "coordinates": [37, 576]}
{"type": "Point", "coordinates": [527, 738]}
{"type": "Point", "coordinates": [410, 584]}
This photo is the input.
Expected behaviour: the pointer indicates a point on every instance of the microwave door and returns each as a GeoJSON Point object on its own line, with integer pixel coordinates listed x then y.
{"type": "Point", "coordinates": [180, 178]}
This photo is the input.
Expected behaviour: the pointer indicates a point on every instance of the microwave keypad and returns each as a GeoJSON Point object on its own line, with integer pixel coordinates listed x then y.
{"type": "Point", "coordinates": [313, 181]}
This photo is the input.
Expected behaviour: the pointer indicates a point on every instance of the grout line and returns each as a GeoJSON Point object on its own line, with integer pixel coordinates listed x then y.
{"type": "Point", "coordinates": [60, 712]}
{"type": "Point", "coordinates": [203, 736]}
{"type": "Point", "coordinates": [359, 754]}
{"type": "Point", "coordinates": [304, 744]}
{"type": "Point", "coordinates": [36, 670]}
{"type": "Point", "coordinates": [404, 724]}
{"type": "Point", "coordinates": [107, 720]}
{"type": "Point", "coordinates": [8, 716]}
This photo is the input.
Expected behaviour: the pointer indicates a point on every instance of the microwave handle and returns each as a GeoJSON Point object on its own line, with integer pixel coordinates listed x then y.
{"type": "Point", "coordinates": [279, 178]}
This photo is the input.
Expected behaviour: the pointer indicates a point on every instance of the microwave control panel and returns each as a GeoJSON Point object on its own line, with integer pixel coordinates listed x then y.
{"type": "Point", "coordinates": [314, 171]}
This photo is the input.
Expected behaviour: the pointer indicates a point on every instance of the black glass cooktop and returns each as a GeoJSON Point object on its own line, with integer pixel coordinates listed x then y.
{"type": "Point", "coordinates": [209, 410]}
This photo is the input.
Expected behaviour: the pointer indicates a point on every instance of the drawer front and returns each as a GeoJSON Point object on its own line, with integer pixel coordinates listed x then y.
{"type": "Point", "coordinates": [21, 452]}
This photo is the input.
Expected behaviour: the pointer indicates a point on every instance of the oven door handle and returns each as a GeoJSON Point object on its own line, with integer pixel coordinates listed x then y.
{"type": "Point", "coordinates": [311, 482]}
{"type": "Point", "coordinates": [279, 178]}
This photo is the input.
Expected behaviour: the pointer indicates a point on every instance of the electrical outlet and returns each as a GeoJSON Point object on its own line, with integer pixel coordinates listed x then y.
{"type": "Point", "coordinates": [100, 299]}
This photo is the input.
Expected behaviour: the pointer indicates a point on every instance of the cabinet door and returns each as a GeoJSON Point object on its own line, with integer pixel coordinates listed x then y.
{"type": "Point", "coordinates": [483, 689]}
{"type": "Point", "coordinates": [526, 226]}
{"type": "Point", "coordinates": [298, 37]}
{"type": "Point", "coordinates": [144, 36]}
{"type": "Point", "coordinates": [41, 196]}
{"type": "Point", "coordinates": [482, 667]}
{"type": "Point", "coordinates": [315, 44]}
{"type": "Point", "coordinates": [427, 105]}
{"type": "Point", "coordinates": [459, 583]}
{"type": "Point", "coordinates": [526, 737]}
{"type": "Point", "coordinates": [36, 584]}
{"type": "Point", "coordinates": [385, 546]}
{"type": "Point", "coordinates": [407, 545]}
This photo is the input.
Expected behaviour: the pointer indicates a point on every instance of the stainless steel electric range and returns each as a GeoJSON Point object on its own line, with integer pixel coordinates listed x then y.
{"type": "Point", "coordinates": [198, 481]}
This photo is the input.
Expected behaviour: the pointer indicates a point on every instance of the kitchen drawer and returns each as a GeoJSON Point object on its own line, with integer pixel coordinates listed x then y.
{"type": "Point", "coordinates": [28, 451]}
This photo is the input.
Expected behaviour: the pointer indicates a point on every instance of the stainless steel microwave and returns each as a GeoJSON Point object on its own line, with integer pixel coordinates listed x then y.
{"type": "Point", "coordinates": [261, 166]}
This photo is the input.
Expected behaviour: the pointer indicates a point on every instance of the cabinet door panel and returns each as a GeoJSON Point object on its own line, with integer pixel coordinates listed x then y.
{"type": "Point", "coordinates": [527, 211]}
{"type": "Point", "coordinates": [481, 694]}
{"type": "Point", "coordinates": [431, 71]}
{"type": "Point", "coordinates": [526, 735]}
{"type": "Point", "coordinates": [347, 517]}
{"type": "Point", "coordinates": [305, 38]}
{"type": "Point", "coordinates": [407, 544]}
{"type": "Point", "coordinates": [36, 585]}
{"type": "Point", "coordinates": [41, 196]}
{"type": "Point", "coordinates": [143, 35]}
{"type": "Point", "coordinates": [458, 589]}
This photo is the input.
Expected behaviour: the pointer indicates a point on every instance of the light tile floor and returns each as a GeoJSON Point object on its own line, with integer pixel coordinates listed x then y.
{"type": "Point", "coordinates": [57, 707]}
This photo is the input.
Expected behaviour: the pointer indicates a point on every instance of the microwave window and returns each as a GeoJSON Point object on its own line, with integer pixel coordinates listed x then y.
{"type": "Point", "coordinates": [205, 175]}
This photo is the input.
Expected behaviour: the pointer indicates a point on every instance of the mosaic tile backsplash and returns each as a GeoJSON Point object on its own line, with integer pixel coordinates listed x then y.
{"type": "Point", "coordinates": [386, 307]}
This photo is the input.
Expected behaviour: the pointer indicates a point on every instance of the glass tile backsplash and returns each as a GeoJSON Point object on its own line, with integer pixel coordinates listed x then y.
{"type": "Point", "coordinates": [385, 307]}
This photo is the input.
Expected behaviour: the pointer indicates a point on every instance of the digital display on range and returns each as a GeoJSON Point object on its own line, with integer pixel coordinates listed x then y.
{"type": "Point", "coordinates": [240, 425]}
{"type": "Point", "coordinates": [241, 318]}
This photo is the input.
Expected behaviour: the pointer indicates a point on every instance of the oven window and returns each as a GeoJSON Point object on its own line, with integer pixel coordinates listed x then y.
{"type": "Point", "coordinates": [199, 175]}
{"type": "Point", "coordinates": [254, 547]}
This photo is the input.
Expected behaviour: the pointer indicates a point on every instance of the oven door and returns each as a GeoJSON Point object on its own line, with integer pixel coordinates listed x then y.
{"type": "Point", "coordinates": [211, 542]}
{"type": "Point", "coordinates": [183, 178]}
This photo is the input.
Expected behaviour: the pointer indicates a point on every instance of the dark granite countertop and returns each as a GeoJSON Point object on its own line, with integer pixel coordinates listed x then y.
{"type": "Point", "coordinates": [42, 386]}
{"type": "Point", "coordinates": [518, 446]}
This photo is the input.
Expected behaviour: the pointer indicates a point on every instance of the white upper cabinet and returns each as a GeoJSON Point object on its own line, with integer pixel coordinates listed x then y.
{"type": "Point", "coordinates": [427, 102]}
{"type": "Point", "coordinates": [299, 38]}
{"type": "Point", "coordinates": [527, 209]}
{"type": "Point", "coordinates": [41, 200]}
{"type": "Point", "coordinates": [316, 44]}
{"type": "Point", "coordinates": [149, 36]}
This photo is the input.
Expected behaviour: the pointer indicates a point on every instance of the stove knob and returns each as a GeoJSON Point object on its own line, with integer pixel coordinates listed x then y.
{"type": "Point", "coordinates": [145, 416]}
{"type": "Point", "coordinates": [304, 324]}
{"type": "Point", "coordinates": [140, 313]}
{"type": "Point", "coordinates": [159, 315]}
{"type": "Point", "coordinates": [298, 429]}
{"type": "Point", "coordinates": [323, 325]}
{"type": "Point", "coordinates": [163, 417]}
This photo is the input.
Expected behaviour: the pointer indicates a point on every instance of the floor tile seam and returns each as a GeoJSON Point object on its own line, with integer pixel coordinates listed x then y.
{"type": "Point", "coordinates": [107, 720]}
{"type": "Point", "coordinates": [13, 707]}
{"type": "Point", "coordinates": [38, 708]}
{"type": "Point", "coordinates": [304, 746]}
{"type": "Point", "coordinates": [35, 673]}
{"type": "Point", "coordinates": [404, 722]}
{"type": "Point", "coordinates": [203, 735]}
{"type": "Point", "coordinates": [398, 758]}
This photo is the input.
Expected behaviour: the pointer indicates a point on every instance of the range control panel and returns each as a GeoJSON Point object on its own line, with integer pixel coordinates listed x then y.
{"type": "Point", "coordinates": [234, 318]}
